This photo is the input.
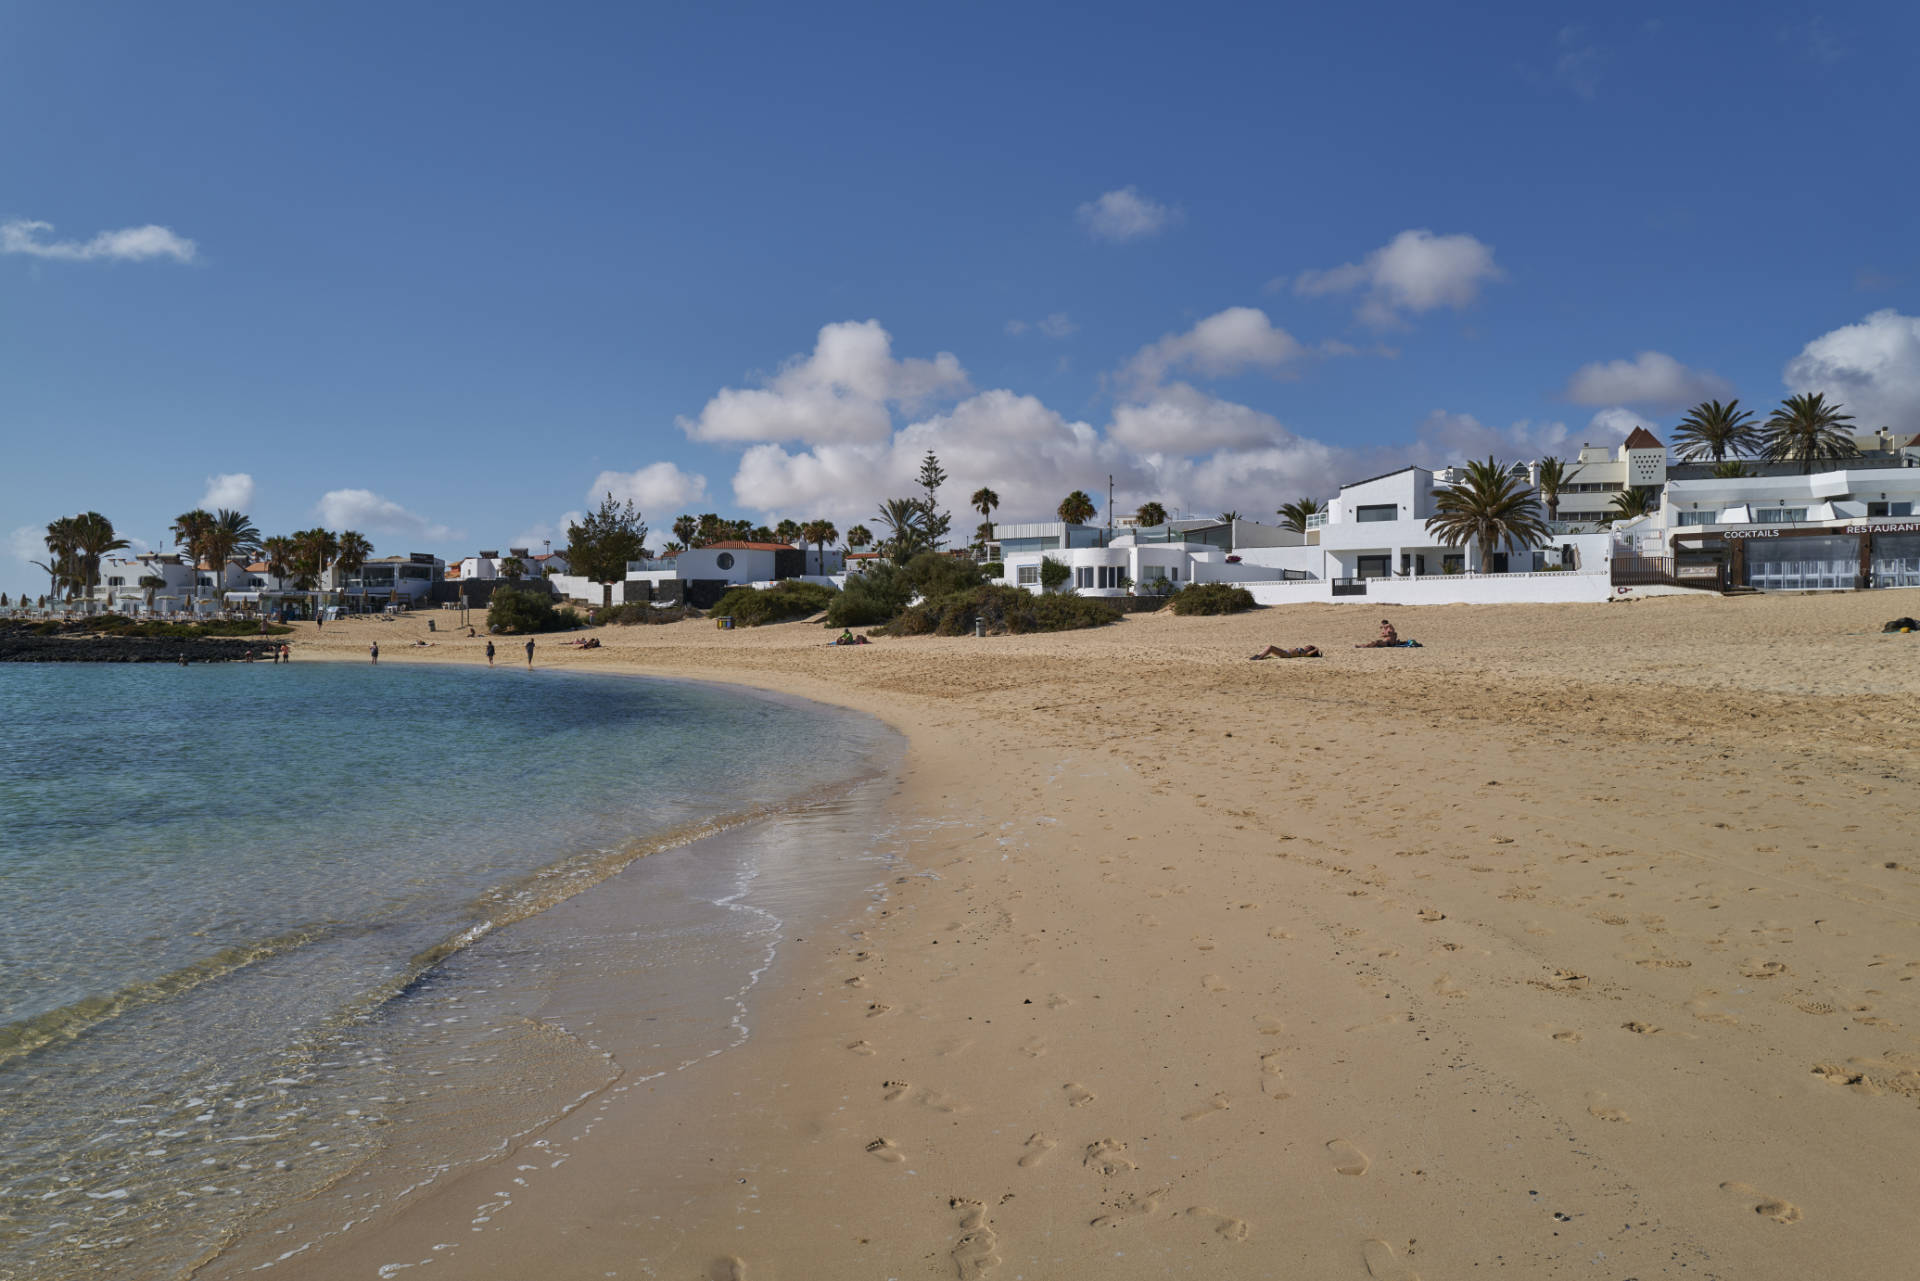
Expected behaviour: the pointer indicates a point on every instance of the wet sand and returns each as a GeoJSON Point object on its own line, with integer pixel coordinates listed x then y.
{"type": "Point", "coordinates": [1580, 942]}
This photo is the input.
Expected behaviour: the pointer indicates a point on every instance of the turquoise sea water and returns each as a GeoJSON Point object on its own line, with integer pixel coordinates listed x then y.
{"type": "Point", "coordinates": [214, 881]}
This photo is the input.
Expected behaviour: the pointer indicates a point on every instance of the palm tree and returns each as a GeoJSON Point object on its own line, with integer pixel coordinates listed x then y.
{"type": "Point", "coordinates": [984, 500]}
{"type": "Point", "coordinates": [905, 519]}
{"type": "Point", "coordinates": [684, 529]}
{"type": "Point", "coordinates": [313, 551]}
{"type": "Point", "coordinates": [788, 531]}
{"type": "Point", "coordinates": [1731, 470]}
{"type": "Point", "coordinates": [859, 537]}
{"type": "Point", "coordinates": [513, 569]}
{"type": "Point", "coordinates": [1716, 431]}
{"type": "Point", "coordinates": [1488, 506]}
{"type": "Point", "coordinates": [93, 537]}
{"type": "Point", "coordinates": [1632, 503]}
{"type": "Point", "coordinates": [819, 533]}
{"type": "Point", "coordinates": [228, 535]}
{"type": "Point", "coordinates": [1806, 429]}
{"type": "Point", "coordinates": [62, 541]}
{"type": "Point", "coordinates": [1555, 475]}
{"type": "Point", "coordinates": [246, 539]}
{"type": "Point", "coordinates": [1227, 517]}
{"type": "Point", "coordinates": [150, 583]}
{"type": "Point", "coordinates": [352, 552]}
{"type": "Point", "coordinates": [189, 534]}
{"type": "Point", "coordinates": [1076, 508]}
{"type": "Point", "coordinates": [1150, 514]}
{"type": "Point", "coordinates": [1296, 513]}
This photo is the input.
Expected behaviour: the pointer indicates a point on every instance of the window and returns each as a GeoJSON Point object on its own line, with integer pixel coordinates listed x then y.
{"type": "Point", "coordinates": [1779, 515]}
{"type": "Point", "coordinates": [724, 560]}
{"type": "Point", "coordinates": [1372, 566]}
{"type": "Point", "coordinates": [116, 582]}
{"type": "Point", "coordinates": [1083, 577]}
{"type": "Point", "coordinates": [1110, 575]}
{"type": "Point", "coordinates": [1027, 575]}
{"type": "Point", "coordinates": [1700, 518]}
{"type": "Point", "coordinates": [1377, 511]}
{"type": "Point", "coordinates": [1889, 509]}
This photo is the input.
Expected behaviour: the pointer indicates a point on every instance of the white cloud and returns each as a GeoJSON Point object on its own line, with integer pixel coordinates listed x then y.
{"type": "Point", "coordinates": [1125, 214]}
{"type": "Point", "coordinates": [366, 511]}
{"type": "Point", "coordinates": [1416, 271]}
{"type": "Point", "coordinates": [1614, 424]}
{"type": "Point", "coordinates": [541, 532]}
{"type": "Point", "coordinates": [1227, 342]}
{"type": "Point", "coordinates": [128, 244]}
{"type": "Point", "coordinates": [841, 393]}
{"type": "Point", "coordinates": [656, 488]}
{"type": "Point", "coordinates": [1577, 65]}
{"type": "Point", "coordinates": [1872, 368]}
{"type": "Point", "coordinates": [1448, 438]}
{"type": "Point", "coordinates": [233, 490]}
{"type": "Point", "coordinates": [28, 542]}
{"type": "Point", "coordinates": [1180, 419]}
{"type": "Point", "coordinates": [1650, 378]}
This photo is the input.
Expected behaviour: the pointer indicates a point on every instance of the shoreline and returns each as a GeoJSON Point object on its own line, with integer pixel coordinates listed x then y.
{"type": "Point", "coordinates": [1348, 967]}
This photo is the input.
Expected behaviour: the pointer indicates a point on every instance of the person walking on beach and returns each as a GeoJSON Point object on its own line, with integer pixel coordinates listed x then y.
{"type": "Point", "coordinates": [489, 653]}
{"type": "Point", "coordinates": [374, 650]}
{"type": "Point", "coordinates": [286, 652]}
{"type": "Point", "coordinates": [529, 653]}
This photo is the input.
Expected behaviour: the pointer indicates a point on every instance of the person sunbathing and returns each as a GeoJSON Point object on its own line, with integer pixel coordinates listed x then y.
{"type": "Point", "coordinates": [1387, 639]}
{"type": "Point", "coordinates": [1275, 651]}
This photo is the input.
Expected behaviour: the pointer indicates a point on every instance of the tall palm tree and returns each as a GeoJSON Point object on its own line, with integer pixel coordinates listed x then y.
{"type": "Point", "coordinates": [61, 565]}
{"type": "Point", "coordinates": [905, 519]}
{"type": "Point", "coordinates": [1716, 431]}
{"type": "Point", "coordinates": [1555, 476]}
{"type": "Point", "coordinates": [1151, 514]}
{"type": "Point", "coordinates": [789, 531]}
{"type": "Point", "coordinates": [1296, 513]}
{"type": "Point", "coordinates": [859, 537]}
{"type": "Point", "coordinates": [279, 553]}
{"type": "Point", "coordinates": [93, 537]}
{"type": "Point", "coordinates": [1076, 508]}
{"type": "Point", "coordinates": [150, 583]}
{"type": "Point", "coordinates": [246, 539]}
{"type": "Point", "coordinates": [352, 552]}
{"type": "Point", "coordinates": [1807, 430]}
{"type": "Point", "coordinates": [1632, 503]}
{"type": "Point", "coordinates": [820, 533]}
{"type": "Point", "coordinates": [1227, 517]}
{"type": "Point", "coordinates": [1487, 506]}
{"type": "Point", "coordinates": [984, 500]}
{"type": "Point", "coordinates": [189, 535]}
{"type": "Point", "coordinates": [685, 528]}
{"type": "Point", "coordinates": [313, 551]}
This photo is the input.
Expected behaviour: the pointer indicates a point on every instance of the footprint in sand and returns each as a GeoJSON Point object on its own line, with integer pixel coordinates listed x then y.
{"type": "Point", "coordinates": [1132, 1206]}
{"type": "Point", "coordinates": [1641, 1029]}
{"type": "Point", "coordinates": [1278, 934]}
{"type": "Point", "coordinates": [876, 1009]}
{"type": "Point", "coordinates": [894, 1090]}
{"type": "Point", "coordinates": [1224, 1225]}
{"type": "Point", "coordinates": [1767, 1206]}
{"type": "Point", "coordinates": [1432, 914]}
{"type": "Point", "coordinates": [1756, 968]}
{"type": "Point", "coordinates": [886, 1150]}
{"type": "Point", "coordinates": [1564, 1035]}
{"type": "Point", "coordinates": [1218, 1103]}
{"type": "Point", "coordinates": [1272, 1077]}
{"type": "Point", "coordinates": [861, 1047]}
{"type": "Point", "coordinates": [1597, 1106]}
{"type": "Point", "coordinates": [978, 1248]}
{"type": "Point", "coordinates": [728, 1268]}
{"type": "Point", "coordinates": [1214, 983]}
{"type": "Point", "coordinates": [1078, 1095]}
{"type": "Point", "coordinates": [1104, 1157]}
{"type": "Point", "coordinates": [1699, 1008]}
{"type": "Point", "coordinates": [1445, 986]}
{"type": "Point", "coordinates": [1268, 1025]}
{"type": "Point", "coordinates": [1034, 1049]}
{"type": "Point", "coordinates": [1348, 1159]}
{"type": "Point", "coordinates": [1382, 1265]}
{"type": "Point", "coordinates": [1037, 1146]}
{"type": "Point", "coordinates": [856, 981]}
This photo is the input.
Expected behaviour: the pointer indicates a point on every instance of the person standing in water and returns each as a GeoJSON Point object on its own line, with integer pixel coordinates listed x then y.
{"type": "Point", "coordinates": [529, 653]}
{"type": "Point", "coordinates": [489, 653]}
{"type": "Point", "coordinates": [374, 650]}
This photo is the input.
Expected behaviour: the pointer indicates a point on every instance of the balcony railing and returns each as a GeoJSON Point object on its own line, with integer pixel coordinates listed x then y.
{"type": "Point", "coordinates": [1317, 521]}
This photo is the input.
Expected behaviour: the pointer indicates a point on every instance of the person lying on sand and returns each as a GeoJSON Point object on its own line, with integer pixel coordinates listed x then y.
{"type": "Point", "coordinates": [848, 638]}
{"type": "Point", "coordinates": [1275, 651]}
{"type": "Point", "coordinates": [1387, 639]}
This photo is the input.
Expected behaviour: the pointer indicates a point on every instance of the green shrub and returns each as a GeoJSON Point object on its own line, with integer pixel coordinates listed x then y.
{"type": "Point", "coordinates": [752, 607]}
{"type": "Point", "coordinates": [642, 612]}
{"type": "Point", "coordinates": [1212, 598]}
{"type": "Point", "coordinates": [1005, 610]}
{"type": "Point", "coordinates": [993, 569]}
{"type": "Point", "coordinates": [1054, 574]}
{"type": "Point", "coordinates": [871, 597]}
{"type": "Point", "coordinates": [933, 574]}
{"type": "Point", "coordinates": [513, 611]}
{"type": "Point", "coordinates": [121, 625]}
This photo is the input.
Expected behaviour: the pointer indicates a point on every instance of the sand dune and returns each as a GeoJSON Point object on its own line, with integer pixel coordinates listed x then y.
{"type": "Point", "coordinates": [1581, 941]}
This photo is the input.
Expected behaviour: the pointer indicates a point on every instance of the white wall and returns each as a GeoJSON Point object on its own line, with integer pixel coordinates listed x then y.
{"type": "Point", "coordinates": [1449, 589]}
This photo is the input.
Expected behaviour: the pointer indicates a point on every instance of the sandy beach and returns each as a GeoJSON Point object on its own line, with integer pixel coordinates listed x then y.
{"type": "Point", "coordinates": [1580, 942]}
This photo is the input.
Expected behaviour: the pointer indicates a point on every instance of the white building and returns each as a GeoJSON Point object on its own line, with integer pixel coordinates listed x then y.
{"type": "Point", "coordinates": [121, 579]}
{"type": "Point", "coordinates": [406, 580]}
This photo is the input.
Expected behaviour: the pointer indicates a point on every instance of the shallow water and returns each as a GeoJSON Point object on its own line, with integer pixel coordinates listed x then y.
{"type": "Point", "coordinates": [231, 892]}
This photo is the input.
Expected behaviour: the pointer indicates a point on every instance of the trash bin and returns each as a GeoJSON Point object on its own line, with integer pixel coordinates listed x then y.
{"type": "Point", "coordinates": [724, 622]}
{"type": "Point", "coordinates": [979, 626]}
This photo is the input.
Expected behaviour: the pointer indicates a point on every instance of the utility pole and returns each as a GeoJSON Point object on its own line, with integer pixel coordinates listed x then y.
{"type": "Point", "coordinates": [1109, 507]}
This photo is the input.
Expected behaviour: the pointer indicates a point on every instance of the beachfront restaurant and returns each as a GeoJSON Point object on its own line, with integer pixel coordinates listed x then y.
{"type": "Point", "coordinates": [1849, 557]}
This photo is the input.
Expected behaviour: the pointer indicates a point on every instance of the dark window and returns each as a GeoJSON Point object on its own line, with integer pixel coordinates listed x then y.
{"type": "Point", "coordinates": [725, 560]}
{"type": "Point", "coordinates": [1889, 509]}
{"type": "Point", "coordinates": [1373, 566]}
{"type": "Point", "coordinates": [1377, 511]}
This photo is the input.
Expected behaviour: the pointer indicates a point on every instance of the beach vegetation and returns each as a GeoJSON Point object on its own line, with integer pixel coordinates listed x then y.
{"type": "Point", "coordinates": [1807, 430]}
{"type": "Point", "coordinates": [641, 612]}
{"type": "Point", "coordinates": [1151, 513]}
{"type": "Point", "coordinates": [1004, 610]}
{"type": "Point", "coordinates": [992, 569]}
{"type": "Point", "coordinates": [1054, 574]}
{"type": "Point", "coordinates": [513, 569]}
{"type": "Point", "coordinates": [820, 533]}
{"type": "Point", "coordinates": [1227, 517]}
{"type": "Point", "coordinates": [516, 611]}
{"type": "Point", "coordinates": [984, 500]}
{"type": "Point", "coordinates": [1715, 431]}
{"type": "Point", "coordinates": [313, 551]}
{"type": "Point", "coordinates": [352, 552]}
{"type": "Point", "coordinates": [910, 528]}
{"type": "Point", "coordinates": [1076, 508]}
{"type": "Point", "coordinates": [153, 629]}
{"type": "Point", "coordinates": [1487, 507]}
{"type": "Point", "coordinates": [1212, 598]}
{"type": "Point", "coordinates": [1633, 502]}
{"type": "Point", "coordinates": [783, 602]}
{"type": "Point", "coordinates": [859, 537]}
{"type": "Point", "coordinates": [937, 574]}
{"type": "Point", "coordinates": [1731, 470]}
{"type": "Point", "coordinates": [600, 544]}
{"type": "Point", "coordinates": [1294, 515]}
{"type": "Point", "coordinates": [787, 531]}
{"type": "Point", "coordinates": [872, 597]}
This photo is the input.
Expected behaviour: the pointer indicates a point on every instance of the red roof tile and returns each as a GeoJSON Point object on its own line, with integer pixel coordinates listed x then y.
{"type": "Point", "coordinates": [1641, 438]}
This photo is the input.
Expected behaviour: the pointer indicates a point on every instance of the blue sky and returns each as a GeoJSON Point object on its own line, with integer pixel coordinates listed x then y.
{"type": "Point", "coordinates": [441, 274]}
